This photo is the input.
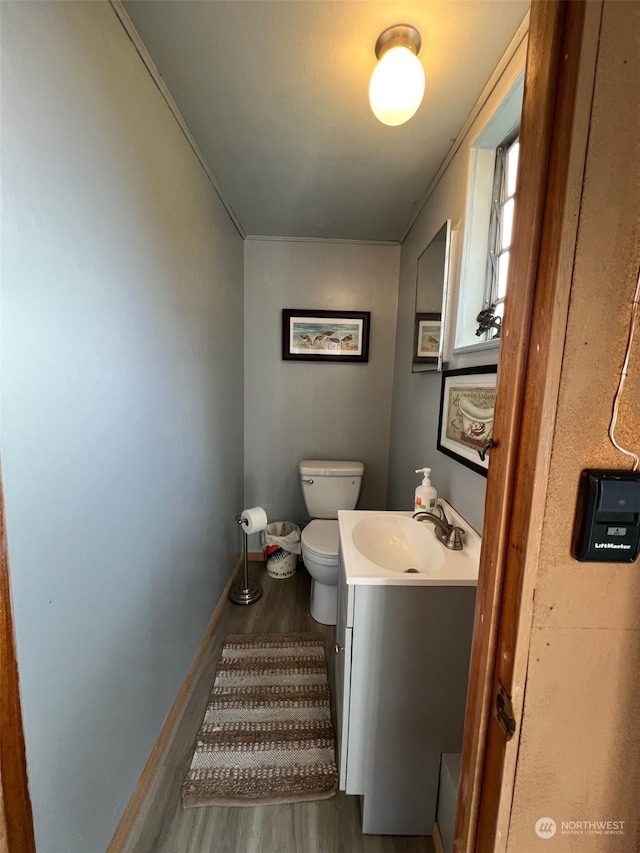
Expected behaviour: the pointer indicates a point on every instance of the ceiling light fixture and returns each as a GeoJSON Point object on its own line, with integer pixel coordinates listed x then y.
{"type": "Point", "coordinates": [397, 82]}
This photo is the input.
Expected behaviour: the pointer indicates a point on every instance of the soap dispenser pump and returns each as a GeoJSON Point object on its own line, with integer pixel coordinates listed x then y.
{"type": "Point", "coordinates": [426, 498]}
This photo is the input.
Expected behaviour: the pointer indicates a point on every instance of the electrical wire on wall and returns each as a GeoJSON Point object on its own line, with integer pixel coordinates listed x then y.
{"type": "Point", "coordinates": [623, 376]}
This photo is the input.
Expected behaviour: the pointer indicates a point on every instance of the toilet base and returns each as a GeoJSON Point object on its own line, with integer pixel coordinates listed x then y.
{"type": "Point", "coordinates": [324, 603]}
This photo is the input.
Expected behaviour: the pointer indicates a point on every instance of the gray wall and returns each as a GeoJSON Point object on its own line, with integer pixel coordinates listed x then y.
{"type": "Point", "coordinates": [416, 402]}
{"type": "Point", "coordinates": [122, 407]}
{"type": "Point", "coordinates": [416, 396]}
{"type": "Point", "coordinates": [297, 410]}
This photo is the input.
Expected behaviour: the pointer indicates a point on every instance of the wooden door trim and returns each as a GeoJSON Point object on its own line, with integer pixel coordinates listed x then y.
{"type": "Point", "coordinates": [531, 342]}
{"type": "Point", "coordinates": [558, 244]}
{"type": "Point", "coordinates": [16, 819]}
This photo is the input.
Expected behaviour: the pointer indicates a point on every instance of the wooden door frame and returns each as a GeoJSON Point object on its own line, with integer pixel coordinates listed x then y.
{"type": "Point", "coordinates": [553, 137]}
{"type": "Point", "coordinates": [16, 820]}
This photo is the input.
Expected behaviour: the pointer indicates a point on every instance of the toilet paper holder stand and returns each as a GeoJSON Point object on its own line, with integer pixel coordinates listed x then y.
{"type": "Point", "coordinates": [244, 591]}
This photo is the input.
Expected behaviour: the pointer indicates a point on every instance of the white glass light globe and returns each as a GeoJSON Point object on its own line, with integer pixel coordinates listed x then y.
{"type": "Point", "coordinates": [397, 86]}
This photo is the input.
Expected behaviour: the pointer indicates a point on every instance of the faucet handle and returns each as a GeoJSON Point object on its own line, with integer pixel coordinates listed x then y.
{"type": "Point", "coordinates": [439, 511]}
{"type": "Point", "coordinates": [454, 538]}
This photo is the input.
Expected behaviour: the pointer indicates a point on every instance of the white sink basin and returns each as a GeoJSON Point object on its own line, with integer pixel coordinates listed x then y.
{"type": "Point", "coordinates": [380, 548]}
{"type": "Point", "coordinates": [398, 543]}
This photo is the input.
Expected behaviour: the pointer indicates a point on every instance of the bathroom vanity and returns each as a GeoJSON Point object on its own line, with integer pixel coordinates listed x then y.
{"type": "Point", "coordinates": [402, 662]}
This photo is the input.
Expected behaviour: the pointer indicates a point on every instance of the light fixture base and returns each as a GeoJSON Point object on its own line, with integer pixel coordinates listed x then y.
{"type": "Point", "coordinates": [399, 35]}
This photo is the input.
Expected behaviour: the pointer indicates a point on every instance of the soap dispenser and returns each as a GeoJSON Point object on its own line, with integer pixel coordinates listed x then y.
{"type": "Point", "coordinates": [426, 498]}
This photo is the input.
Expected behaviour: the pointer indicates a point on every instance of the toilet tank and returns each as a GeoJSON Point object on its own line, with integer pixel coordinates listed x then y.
{"type": "Point", "coordinates": [329, 485]}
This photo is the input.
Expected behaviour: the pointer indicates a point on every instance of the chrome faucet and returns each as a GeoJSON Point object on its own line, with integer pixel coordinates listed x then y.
{"type": "Point", "coordinates": [449, 534]}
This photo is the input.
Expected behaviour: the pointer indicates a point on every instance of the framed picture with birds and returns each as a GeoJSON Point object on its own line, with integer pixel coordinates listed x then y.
{"type": "Point", "coordinates": [329, 336]}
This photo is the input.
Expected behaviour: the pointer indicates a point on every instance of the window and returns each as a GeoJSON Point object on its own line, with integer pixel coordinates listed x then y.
{"type": "Point", "coordinates": [500, 231]}
{"type": "Point", "coordinates": [488, 220]}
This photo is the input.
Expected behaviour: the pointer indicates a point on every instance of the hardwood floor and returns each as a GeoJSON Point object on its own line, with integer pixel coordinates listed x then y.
{"type": "Point", "coordinates": [327, 826]}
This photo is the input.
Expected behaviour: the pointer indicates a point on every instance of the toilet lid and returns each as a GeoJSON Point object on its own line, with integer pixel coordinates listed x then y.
{"type": "Point", "coordinates": [321, 537]}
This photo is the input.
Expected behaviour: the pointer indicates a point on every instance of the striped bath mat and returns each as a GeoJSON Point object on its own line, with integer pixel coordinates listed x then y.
{"type": "Point", "coordinates": [267, 735]}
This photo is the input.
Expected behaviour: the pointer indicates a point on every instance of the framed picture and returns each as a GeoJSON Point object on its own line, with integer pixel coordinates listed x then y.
{"type": "Point", "coordinates": [467, 404]}
{"type": "Point", "coordinates": [329, 336]}
{"type": "Point", "coordinates": [426, 350]}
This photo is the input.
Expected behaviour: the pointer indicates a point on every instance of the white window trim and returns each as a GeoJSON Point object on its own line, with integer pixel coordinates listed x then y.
{"type": "Point", "coordinates": [472, 288]}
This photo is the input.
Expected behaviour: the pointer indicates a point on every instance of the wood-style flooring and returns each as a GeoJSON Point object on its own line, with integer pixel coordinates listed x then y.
{"type": "Point", "coordinates": [327, 826]}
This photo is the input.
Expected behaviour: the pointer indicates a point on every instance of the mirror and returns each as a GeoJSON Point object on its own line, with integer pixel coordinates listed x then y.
{"type": "Point", "coordinates": [431, 298]}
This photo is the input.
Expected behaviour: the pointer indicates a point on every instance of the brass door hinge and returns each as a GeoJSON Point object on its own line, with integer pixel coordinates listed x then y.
{"type": "Point", "coordinates": [503, 712]}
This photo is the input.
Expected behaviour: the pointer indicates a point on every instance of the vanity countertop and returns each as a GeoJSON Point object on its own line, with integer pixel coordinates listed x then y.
{"type": "Point", "coordinates": [440, 566]}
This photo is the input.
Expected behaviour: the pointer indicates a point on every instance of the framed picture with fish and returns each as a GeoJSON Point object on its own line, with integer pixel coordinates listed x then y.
{"type": "Point", "coordinates": [467, 405]}
{"type": "Point", "coordinates": [328, 336]}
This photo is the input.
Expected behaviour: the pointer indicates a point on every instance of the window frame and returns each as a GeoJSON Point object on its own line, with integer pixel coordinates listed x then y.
{"type": "Point", "coordinates": [502, 125]}
{"type": "Point", "coordinates": [500, 196]}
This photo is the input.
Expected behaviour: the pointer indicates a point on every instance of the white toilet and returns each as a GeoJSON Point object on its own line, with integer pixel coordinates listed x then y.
{"type": "Point", "coordinates": [327, 486]}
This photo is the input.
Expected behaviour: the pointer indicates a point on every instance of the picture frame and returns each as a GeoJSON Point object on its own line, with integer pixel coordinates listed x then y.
{"type": "Point", "coordinates": [427, 339]}
{"type": "Point", "coordinates": [467, 408]}
{"type": "Point", "coordinates": [325, 336]}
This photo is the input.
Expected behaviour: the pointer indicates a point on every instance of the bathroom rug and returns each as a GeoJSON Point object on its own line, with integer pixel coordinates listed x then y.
{"type": "Point", "coordinates": [267, 736]}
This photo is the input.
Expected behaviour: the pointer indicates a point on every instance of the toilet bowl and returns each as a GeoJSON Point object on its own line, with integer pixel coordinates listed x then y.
{"type": "Point", "coordinates": [327, 486]}
{"type": "Point", "coordinates": [320, 557]}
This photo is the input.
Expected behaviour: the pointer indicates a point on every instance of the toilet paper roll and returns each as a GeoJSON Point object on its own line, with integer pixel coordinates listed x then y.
{"type": "Point", "coordinates": [253, 520]}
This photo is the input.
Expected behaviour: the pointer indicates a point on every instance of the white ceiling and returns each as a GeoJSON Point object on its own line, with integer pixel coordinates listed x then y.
{"type": "Point", "coordinates": [275, 93]}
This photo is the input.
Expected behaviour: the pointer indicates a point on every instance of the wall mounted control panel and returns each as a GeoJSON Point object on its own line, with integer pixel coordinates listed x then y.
{"type": "Point", "coordinates": [607, 526]}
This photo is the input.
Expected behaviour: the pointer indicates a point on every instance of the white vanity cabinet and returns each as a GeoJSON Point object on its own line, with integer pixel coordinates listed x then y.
{"type": "Point", "coordinates": [402, 662]}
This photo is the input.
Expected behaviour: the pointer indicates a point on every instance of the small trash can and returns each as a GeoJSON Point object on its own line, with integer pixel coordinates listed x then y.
{"type": "Point", "coordinates": [281, 545]}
